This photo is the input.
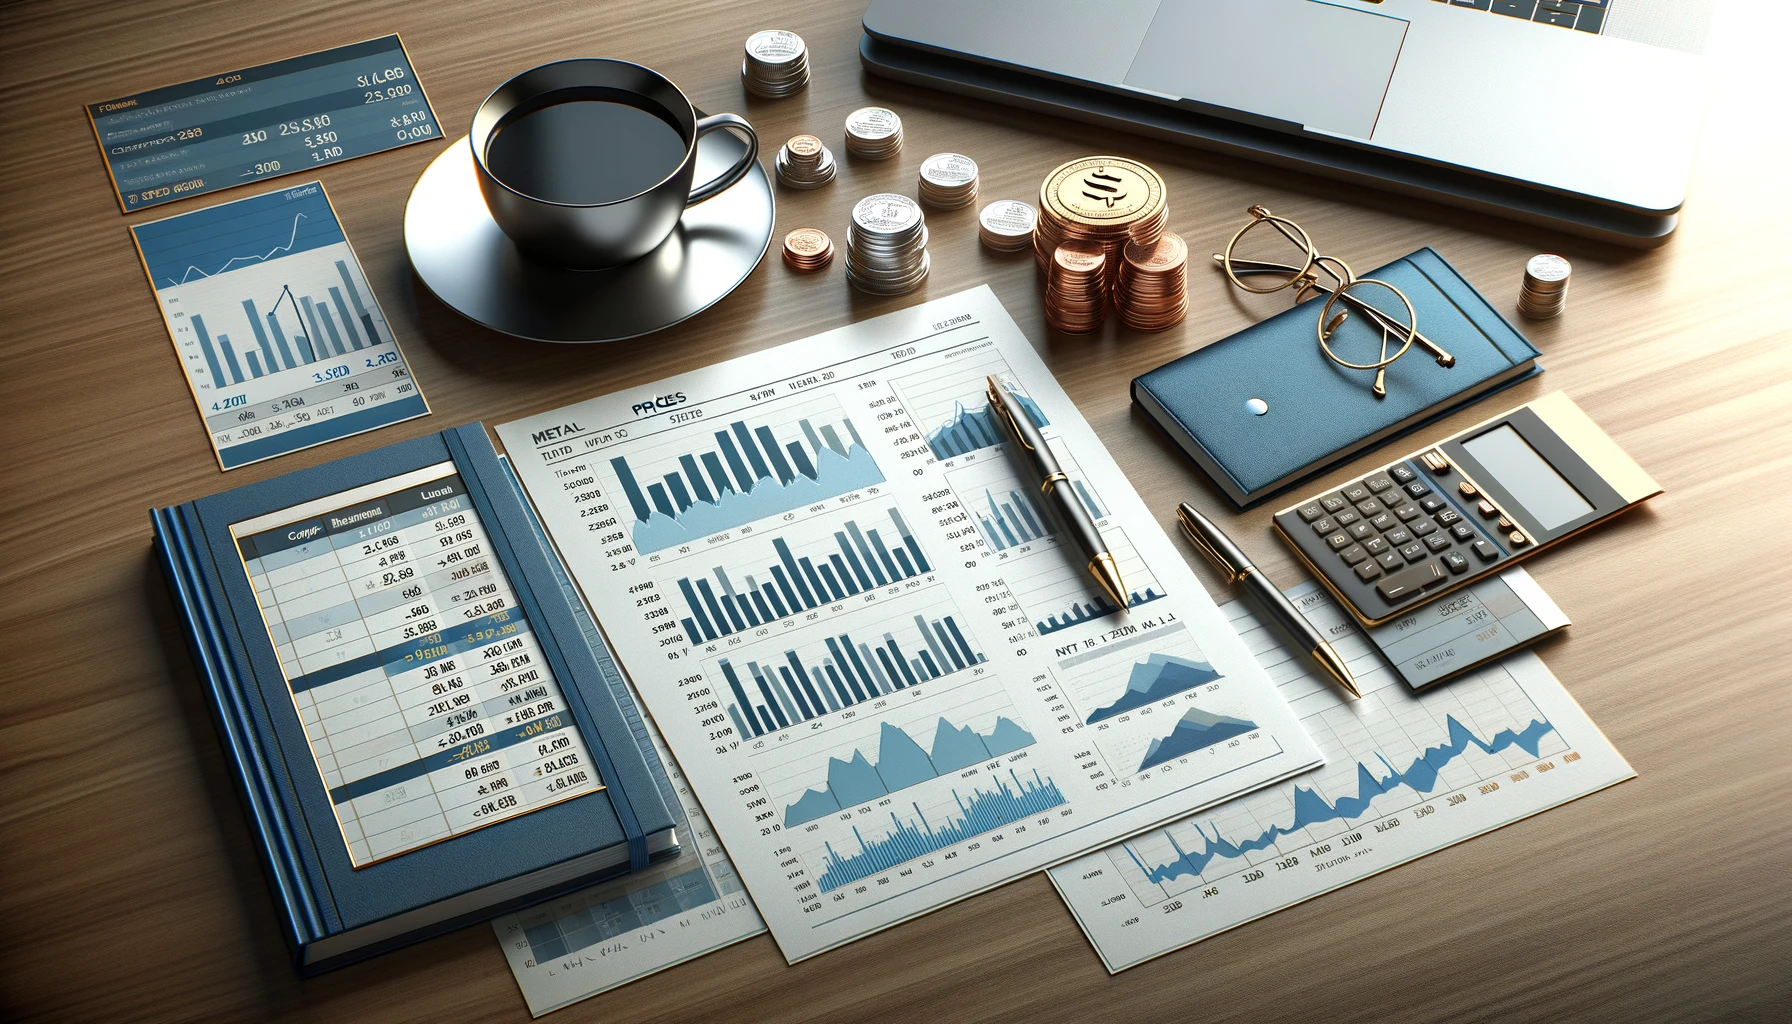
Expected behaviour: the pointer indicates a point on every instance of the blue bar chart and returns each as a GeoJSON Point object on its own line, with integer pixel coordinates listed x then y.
{"type": "Point", "coordinates": [800, 576]}
{"type": "Point", "coordinates": [900, 762]}
{"type": "Point", "coordinates": [1015, 518]}
{"type": "Point", "coordinates": [752, 470]}
{"type": "Point", "coordinates": [772, 693]}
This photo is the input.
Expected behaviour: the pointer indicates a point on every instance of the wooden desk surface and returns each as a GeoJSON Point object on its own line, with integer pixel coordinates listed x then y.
{"type": "Point", "coordinates": [128, 886]}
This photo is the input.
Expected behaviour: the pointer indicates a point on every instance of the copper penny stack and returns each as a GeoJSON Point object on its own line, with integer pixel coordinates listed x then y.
{"type": "Point", "coordinates": [1076, 291]}
{"type": "Point", "coordinates": [808, 249]}
{"type": "Point", "coordinates": [1153, 283]}
{"type": "Point", "coordinates": [1108, 200]}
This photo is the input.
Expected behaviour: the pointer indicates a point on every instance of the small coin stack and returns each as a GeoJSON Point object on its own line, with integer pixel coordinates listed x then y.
{"type": "Point", "coordinates": [1108, 200]}
{"type": "Point", "coordinates": [808, 249]}
{"type": "Point", "coordinates": [886, 245]}
{"type": "Point", "coordinates": [1076, 292]}
{"type": "Point", "coordinates": [948, 181]}
{"type": "Point", "coordinates": [873, 133]}
{"type": "Point", "coordinates": [1153, 283]}
{"type": "Point", "coordinates": [1006, 225]}
{"type": "Point", "coordinates": [805, 163]}
{"type": "Point", "coordinates": [1545, 290]}
{"type": "Point", "coordinates": [777, 64]}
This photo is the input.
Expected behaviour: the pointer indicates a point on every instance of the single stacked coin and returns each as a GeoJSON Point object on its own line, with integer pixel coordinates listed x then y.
{"type": "Point", "coordinates": [948, 181]}
{"type": "Point", "coordinates": [1108, 200]}
{"type": "Point", "coordinates": [886, 245]}
{"type": "Point", "coordinates": [1006, 225]}
{"type": "Point", "coordinates": [1153, 283]}
{"type": "Point", "coordinates": [1545, 290]}
{"type": "Point", "coordinates": [874, 133]}
{"type": "Point", "coordinates": [808, 249]}
{"type": "Point", "coordinates": [805, 163]}
{"type": "Point", "coordinates": [777, 64]}
{"type": "Point", "coordinates": [1076, 292]}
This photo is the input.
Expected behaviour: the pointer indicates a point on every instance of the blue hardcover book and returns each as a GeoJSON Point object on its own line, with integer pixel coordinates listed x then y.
{"type": "Point", "coordinates": [1319, 414]}
{"type": "Point", "coordinates": [422, 734]}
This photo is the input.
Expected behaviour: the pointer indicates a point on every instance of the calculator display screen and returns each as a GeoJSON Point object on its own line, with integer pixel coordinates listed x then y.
{"type": "Point", "coordinates": [423, 691]}
{"type": "Point", "coordinates": [1532, 481]}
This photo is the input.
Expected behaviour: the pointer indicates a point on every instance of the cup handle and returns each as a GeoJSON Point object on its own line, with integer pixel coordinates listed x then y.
{"type": "Point", "coordinates": [741, 166]}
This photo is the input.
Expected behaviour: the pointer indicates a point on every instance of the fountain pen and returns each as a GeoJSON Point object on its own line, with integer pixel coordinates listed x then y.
{"type": "Point", "coordinates": [1056, 488]}
{"type": "Point", "coordinates": [1233, 564]}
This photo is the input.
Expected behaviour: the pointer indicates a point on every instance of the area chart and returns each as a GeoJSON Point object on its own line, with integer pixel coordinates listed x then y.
{"type": "Point", "coordinates": [901, 763]}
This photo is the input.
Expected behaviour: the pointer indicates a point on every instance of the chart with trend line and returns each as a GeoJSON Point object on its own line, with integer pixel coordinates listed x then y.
{"type": "Point", "coordinates": [862, 644]}
{"type": "Point", "coordinates": [742, 471]}
{"type": "Point", "coordinates": [951, 406]}
{"type": "Point", "coordinates": [281, 340]}
{"type": "Point", "coordinates": [1405, 775]}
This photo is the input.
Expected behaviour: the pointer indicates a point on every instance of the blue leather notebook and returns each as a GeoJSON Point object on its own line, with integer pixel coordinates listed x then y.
{"type": "Point", "coordinates": [1319, 413]}
{"type": "Point", "coordinates": [421, 733]}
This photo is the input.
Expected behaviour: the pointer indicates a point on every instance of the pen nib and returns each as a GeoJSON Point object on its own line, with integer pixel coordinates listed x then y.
{"type": "Point", "coordinates": [1107, 573]}
{"type": "Point", "coordinates": [1328, 656]}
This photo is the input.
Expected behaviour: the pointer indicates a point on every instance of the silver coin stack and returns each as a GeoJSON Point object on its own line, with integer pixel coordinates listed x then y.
{"type": "Point", "coordinates": [873, 133]}
{"type": "Point", "coordinates": [805, 163]}
{"type": "Point", "coordinates": [948, 181]}
{"type": "Point", "coordinates": [1545, 290]}
{"type": "Point", "coordinates": [1006, 225]}
{"type": "Point", "coordinates": [777, 64]}
{"type": "Point", "coordinates": [886, 245]}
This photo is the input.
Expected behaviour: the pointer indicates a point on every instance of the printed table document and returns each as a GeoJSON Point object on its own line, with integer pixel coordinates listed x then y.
{"type": "Point", "coordinates": [888, 683]}
{"type": "Point", "coordinates": [1405, 775]}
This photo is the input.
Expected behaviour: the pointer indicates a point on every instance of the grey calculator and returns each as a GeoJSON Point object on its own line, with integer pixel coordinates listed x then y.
{"type": "Point", "coordinates": [1457, 511]}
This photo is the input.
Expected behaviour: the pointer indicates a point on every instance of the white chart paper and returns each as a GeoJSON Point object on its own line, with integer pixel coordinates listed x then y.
{"type": "Point", "coordinates": [888, 684]}
{"type": "Point", "coordinates": [1405, 775]}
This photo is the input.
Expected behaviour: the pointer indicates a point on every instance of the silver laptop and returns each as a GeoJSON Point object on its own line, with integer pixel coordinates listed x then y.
{"type": "Point", "coordinates": [1576, 114]}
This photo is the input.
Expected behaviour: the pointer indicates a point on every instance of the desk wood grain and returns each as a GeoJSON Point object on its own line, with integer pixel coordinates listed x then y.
{"type": "Point", "coordinates": [128, 888]}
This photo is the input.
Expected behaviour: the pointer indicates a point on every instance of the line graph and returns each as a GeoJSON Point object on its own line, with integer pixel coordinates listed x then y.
{"type": "Point", "coordinates": [186, 275]}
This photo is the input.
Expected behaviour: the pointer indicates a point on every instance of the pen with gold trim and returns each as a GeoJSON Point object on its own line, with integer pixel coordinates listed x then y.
{"type": "Point", "coordinates": [1055, 488]}
{"type": "Point", "coordinates": [1230, 561]}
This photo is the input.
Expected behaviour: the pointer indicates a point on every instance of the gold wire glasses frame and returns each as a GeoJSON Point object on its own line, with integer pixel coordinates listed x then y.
{"type": "Point", "coordinates": [1342, 292]}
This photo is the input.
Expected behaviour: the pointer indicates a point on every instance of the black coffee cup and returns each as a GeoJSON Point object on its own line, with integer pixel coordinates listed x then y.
{"type": "Point", "coordinates": [588, 163]}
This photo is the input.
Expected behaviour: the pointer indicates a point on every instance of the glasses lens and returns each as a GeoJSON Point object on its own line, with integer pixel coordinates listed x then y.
{"type": "Point", "coordinates": [1269, 255]}
{"type": "Point", "coordinates": [1368, 325]}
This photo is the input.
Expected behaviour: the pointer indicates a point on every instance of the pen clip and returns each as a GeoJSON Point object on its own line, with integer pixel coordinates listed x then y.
{"type": "Point", "coordinates": [1232, 573]}
{"type": "Point", "coordinates": [999, 406]}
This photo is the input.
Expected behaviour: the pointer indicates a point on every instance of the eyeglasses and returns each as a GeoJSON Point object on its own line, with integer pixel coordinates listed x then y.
{"type": "Point", "coordinates": [1346, 294]}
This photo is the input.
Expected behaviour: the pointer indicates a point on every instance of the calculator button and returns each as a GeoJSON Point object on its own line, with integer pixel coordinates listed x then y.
{"type": "Point", "coordinates": [1403, 584]}
{"type": "Point", "coordinates": [1356, 492]}
{"type": "Point", "coordinates": [1353, 554]}
{"type": "Point", "coordinates": [1379, 482]}
{"type": "Point", "coordinates": [1399, 536]}
{"type": "Point", "coordinates": [1324, 525]}
{"type": "Point", "coordinates": [1370, 506]}
{"type": "Point", "coordinates": [1431, 505]}
{"type": "Point", "coordinates": [1448, 517]}
{"type": "Point", "coordinates": [1310, 511]}
{"type": "Point", "coordinates": [1339, 541]}
{"type": "Point", "coordinates": [1437, 542]}
{"type": "Point", "coordinates": [1367, 571]}
{"type": "Point", "coordinates": [1331, 503]}
{"type": "Point", "coordinates": [1518, 538]}
{"type": "Point", "coordinates": [1402, 474]}
{"type": "Point", "coordinates": [1389, 561]}
{"type": "Point", "coordinates": [1486, 551]}
{"type": "Point", "coordinates": [1456, 562]}
{"type": "Point", "coordinates": [1468, 490]}
{"type": "Point", "coordinates": [1375, 545]}
{"type": "Point", "coordinates": [1407, 513]}
{"type": "Point", "coordinates": [1414, 552]}
{"type": "Point", "coordinates": [1504, 523]}
{"type": "Point", "coordinates": [1435, 462]}
{"type": "Point", "coordinates": [1417, 489]}
{"type": "Point", "coordinates": [1384, 522]}
{"type": "Point", "coordinates": [1422, 527]}
{"type": "Point", "coordinates": [1462, 531]}
{"type": "Point", "coordinates": [1486, 509]}
{"type": "Point", "coordinates": [1346, 517]}
{"type": "Point", "coordinates": [1361, 531]}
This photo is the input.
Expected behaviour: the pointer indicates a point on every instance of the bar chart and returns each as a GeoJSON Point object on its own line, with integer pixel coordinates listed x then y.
{"type": "Point", "coordinates": [1057, 592]}
{"type": "Point", "coordinates": [802, 575]}
{"type": "Point", "coordinates": [949, 404]}
{"type": "Point", "coordinates": [1015, 518]}
{"type": "Point", "coordinates": [776, 689]}
{"type": "Point", "coordinates": [282, 340]}
{"type": "Point", "coordinates": [757, 467]}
